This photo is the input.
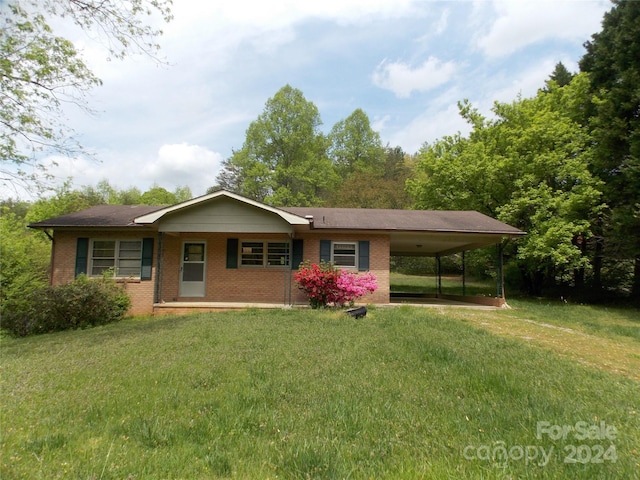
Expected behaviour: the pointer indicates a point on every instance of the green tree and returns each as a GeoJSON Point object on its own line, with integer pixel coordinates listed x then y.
{"type": "Point", "coordinates": [561, 75]}
{"type": "Point", "coordinates": [64, 200]}
{"type": "Point", "coordinates": [283, 160]}
{"type": "Point", "coordinates": [373, 188]}
{"type": "Point", "coordinates": [529, 168]}
{"type": "Point", "coordinates": [24, 258]}
{"type": "Point", "coordinates": [41, 71]}
{"type": "Point", "coordinates": [612, 61]}
{"type": "Point", "coordinates": [157, 195]}
{"type": "Point", "coordinates": [355, 147]}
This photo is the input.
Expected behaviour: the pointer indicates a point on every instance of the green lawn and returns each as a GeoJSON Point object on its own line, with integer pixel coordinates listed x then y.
{"type": "Point", "coordinates": [451, 284]}
{"type": "Point", "coordinates": [402, 393]}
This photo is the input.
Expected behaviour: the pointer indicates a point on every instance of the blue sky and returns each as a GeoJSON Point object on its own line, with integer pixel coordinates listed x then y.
{"type": "Point", "coordinates": [405, 63]}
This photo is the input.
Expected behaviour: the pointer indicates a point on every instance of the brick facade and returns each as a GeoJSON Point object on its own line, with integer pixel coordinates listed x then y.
{"type": "Point", "coordinates": [222, 284]}
{"type": "Point", "coordinates": [63, 262]}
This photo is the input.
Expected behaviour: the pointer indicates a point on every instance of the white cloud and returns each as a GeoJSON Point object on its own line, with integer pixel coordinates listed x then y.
{"type": "Point", "coordinates": [173, 165]}
{"type": "Point", "coordinates": [402, 79]}
{"type": "Point", "coordinates": [430, 126]}
{"type": "Point", "coordinates": [521, 23]}
{"type": "Point", "coordinates": [183, 164]}
{"type": "Point", "coordinates": [443, 22]}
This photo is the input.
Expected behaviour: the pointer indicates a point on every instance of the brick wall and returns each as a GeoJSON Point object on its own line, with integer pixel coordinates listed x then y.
{"type": "Point", "coordinates": [222, 284]}
{"type": "Point", "coordinates": [379, 249]}
{"type": "Point", "coordinates": [63, 264]}
{"type": "Point", "coordinates": [242, 284]}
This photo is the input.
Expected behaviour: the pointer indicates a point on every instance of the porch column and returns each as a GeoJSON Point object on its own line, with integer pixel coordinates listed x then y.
{"type": "Point", "coordinates": [159, 264]}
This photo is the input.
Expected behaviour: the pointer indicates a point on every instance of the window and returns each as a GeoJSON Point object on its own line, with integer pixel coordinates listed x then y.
{"type": "Point", "coordinates": [261, 254]}
{"type": "Point", "coordinates": [123, 256]}
{"type": "Point", "coordinates": [343, 254]}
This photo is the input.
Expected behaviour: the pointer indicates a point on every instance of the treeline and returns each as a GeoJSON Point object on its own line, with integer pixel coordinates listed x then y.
{"type": "Point", "coordinates": [286, 160]}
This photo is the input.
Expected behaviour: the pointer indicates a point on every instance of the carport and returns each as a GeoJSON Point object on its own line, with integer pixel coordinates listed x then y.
{"type": "Point", "coordinates": [424, 233]}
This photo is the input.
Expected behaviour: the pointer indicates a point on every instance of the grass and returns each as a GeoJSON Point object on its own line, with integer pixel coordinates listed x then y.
{"type": "Point", "coordinates": [451, 284]}
{"type": "Point", "coordinates": [403, 393]}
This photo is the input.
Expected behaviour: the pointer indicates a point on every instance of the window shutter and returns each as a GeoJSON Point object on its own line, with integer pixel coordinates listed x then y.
{"type": "Point", "coordinates": [325, 250]}
{"type": "Point", "coordinates": [297, 255]}
{"type": "Point", "coordinates": [363, 255]}
{"type": "Point", "coordinates": [147, 259]}
{"type": "Point", "coordinates": [232, 253]}
{"type": "Point", "coordinates": [82, 252]}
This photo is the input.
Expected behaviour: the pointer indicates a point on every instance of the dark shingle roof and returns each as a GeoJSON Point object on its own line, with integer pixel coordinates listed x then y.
{"type": "Point", "coordinates": [100, 216]}
{"type": "Point", "coordinates": [406, 220]}
{"type": "Point", "coordinates": [118, 216]}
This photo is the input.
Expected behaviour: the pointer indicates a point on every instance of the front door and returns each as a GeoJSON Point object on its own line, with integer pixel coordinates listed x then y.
{"type": "Point", "coordinates": [192, 269]}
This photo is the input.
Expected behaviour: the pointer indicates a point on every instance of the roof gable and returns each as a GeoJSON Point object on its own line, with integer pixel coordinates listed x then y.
{"type": "Point", "coordinates": [155, 216]}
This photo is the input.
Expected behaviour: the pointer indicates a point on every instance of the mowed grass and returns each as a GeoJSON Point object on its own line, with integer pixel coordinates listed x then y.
{"type": "Point", "coordinates": [451, 284]}
{"type": "Point", "coordinates": [402, 393]}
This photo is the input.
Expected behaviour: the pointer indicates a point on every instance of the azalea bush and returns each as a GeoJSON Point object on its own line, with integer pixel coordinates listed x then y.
{"type": "Point", "coordinates": [326, 285]}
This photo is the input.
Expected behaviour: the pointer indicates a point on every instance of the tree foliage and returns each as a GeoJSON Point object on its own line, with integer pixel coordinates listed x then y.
{"type": "Point", "coordinates": [529, 168]}
{"type": "Point", "coordinates": [355, 147]}
{"type": "Point", "coordinates": [40, 72]}
{"type": "Point", "coordinates": [613, 64]}
{"type": "Point", "coordinates": [24, 257]}
{"type": "Point", "coordinates": [283, 160]}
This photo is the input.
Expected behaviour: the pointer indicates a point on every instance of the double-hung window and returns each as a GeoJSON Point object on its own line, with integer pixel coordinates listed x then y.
{"type": "Point", "coordinates": [264, 254]}
{"type": "Point", "coordinates": [344, 254]}
{"type": "Point", "coordinates": [122, 256]}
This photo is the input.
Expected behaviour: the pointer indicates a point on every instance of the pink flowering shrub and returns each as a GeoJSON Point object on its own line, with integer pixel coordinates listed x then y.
{"type": "Point", "coordinates": [326, 285]}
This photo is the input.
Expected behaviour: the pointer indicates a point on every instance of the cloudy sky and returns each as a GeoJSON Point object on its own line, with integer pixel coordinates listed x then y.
{"type": "Point", "coordinates": [406, 63]}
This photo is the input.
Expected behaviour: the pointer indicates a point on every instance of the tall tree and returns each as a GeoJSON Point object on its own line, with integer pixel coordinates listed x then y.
{"type": "Point", "coordinates": [612, 61]}
{"type": "Point", "coordinates": [355, 147]}
{"type": "Point", "coordinates": [561, 75]}
{"type": "Point", "coordinates": [283, 160]}
{"type": "Point", "coordinates": [528, 167]}
{"type": "Point", "coordinates": [41, 71]}
{"type": "Point", "coordinates": [376, 188]}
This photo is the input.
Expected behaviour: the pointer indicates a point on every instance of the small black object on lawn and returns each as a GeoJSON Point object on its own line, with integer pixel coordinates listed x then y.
{"type": "Point", "coordinates": [358, 312]}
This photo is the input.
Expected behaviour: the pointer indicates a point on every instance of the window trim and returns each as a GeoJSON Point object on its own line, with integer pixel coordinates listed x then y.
{"type": "Point", "coordinates": [265, 253]}
{"type": "Point", "coordinates": [116, 258]}
{"type": "Point", "coordinates": [355, 253]}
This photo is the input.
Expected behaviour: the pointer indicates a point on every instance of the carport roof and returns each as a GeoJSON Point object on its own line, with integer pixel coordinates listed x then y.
{"type": "Point", "coordinates": [403, 220]}
{"type": "Point", "coordinates": [414, 232]}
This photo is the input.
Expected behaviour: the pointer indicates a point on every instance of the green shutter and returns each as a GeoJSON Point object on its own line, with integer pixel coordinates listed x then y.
{"type": "Point", "coordinates": [297, 255]}
{"type": "Point", "coordinates": [82, 252]}
{"type": "Point", "coordinates": [325, 250]}
{"type": "Point", "coordinates": [363, 255]}
{"type": "Point", "coordinates": [147, 259]}
{"type": "Point", "coordinates": [232, 253]}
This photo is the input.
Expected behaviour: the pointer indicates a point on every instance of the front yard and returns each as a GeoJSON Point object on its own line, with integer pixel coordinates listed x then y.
{"type": "Point", "coordinates": [402, 393]}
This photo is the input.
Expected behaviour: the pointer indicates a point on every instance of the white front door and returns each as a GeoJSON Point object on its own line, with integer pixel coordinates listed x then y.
{"type": "Point", "coordinates": [192, 269]}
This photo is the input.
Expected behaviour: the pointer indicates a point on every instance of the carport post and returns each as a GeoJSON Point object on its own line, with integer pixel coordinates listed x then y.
{"type": "Point", "coordinates": [439, 268]}
{"type": "Point", "coordinates": [500, 272]}
{"type": "Point", "coordinates": [464, 285]}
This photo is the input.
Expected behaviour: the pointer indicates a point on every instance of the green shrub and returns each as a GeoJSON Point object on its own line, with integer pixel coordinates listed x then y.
{"type": "Point", "coordinates": [82, 303]}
